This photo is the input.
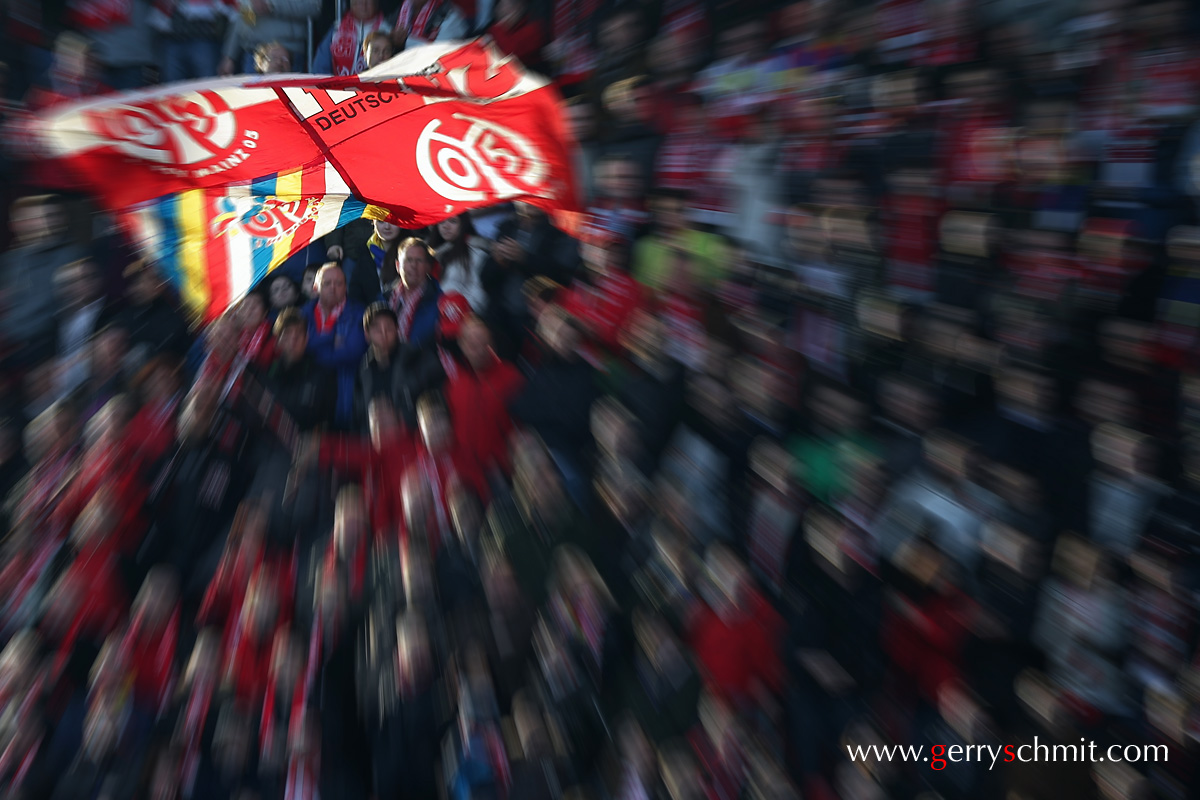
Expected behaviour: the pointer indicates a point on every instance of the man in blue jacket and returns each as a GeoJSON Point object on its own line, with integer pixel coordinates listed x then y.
{"type": "Point", "coordinates": [415, 298]}
{"type": "Point", "coordinates": [335, 336]}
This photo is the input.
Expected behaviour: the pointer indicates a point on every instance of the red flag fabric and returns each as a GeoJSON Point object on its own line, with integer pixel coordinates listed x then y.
{"type": "Point", "coordinates": [433, 132]}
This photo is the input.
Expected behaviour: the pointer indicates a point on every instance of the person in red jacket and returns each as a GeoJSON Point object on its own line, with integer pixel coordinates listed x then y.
{"type": "Point", "coordinates": [153, 428]}
{"type": "Point", "coordinates": [517, 32]}
{"type": "Point", "coordinates": [257, 345]}
{"type": "Point", "coordinates": [477, 397]}
{"type": "Point", "coordinates": [89, 601]}
{"type": "Point", "coordinates": [250, 638]}
{"type": "Point", "coordinates": [376, 463]}
{"type": "Point", "coordinates": [244, 549]}
{"type": "Point", "coordinates": [151, 640]}
{"type": "Point", "coordinates": [442, 461]}
{"type": "Point", "coordinates": [110, 460]}
{"type": "Point", "coordinates": [607, 296]}
{"type": "Point", "coordinates": [350, 545]}
{"type": "Point", "coordinates": [736, 635]}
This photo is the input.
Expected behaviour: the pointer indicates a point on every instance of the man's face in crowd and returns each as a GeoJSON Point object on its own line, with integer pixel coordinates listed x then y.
{"type": "Point", "coordinates": [414, 267]}
{"type": "Point", "coordinates": [670, 214]}
{"type": "Point", "coordinates": [274, 61]}
{"type": "Point", "coordinates": [624, 179]}
{"type": "Point", "coordinates": [35, 222]}
{"type": "Point", "coordinates": [331, 286]}
{"type": "Point", "coordinates": [435, 427]}
{"type": "Point", "coordinates": [382, 333]}
{"type": "Point", "coordinates": [80, 284]}
{"type": "Point", "coordinates": [73, 62]}
{"type": "Point", "coordinates": [292, 341]}
{"type": "Point", "coordinates": [251, 311]}
{"type": "Point", "coordinates": [620, 33]}
{"type": "Point", "coordinates": [363, 9]}
{"type": "Point", "coordinates": [145, 287]}
{"type": "Point", "coordinates": [379, 50]}
{"type": "Point", "coordinates": [109, 349]}
{"type": "Point", "coordinates": [308, 285]}
{"type": "Point", "coordinates": [474, 341]}
{"type": "Point", "coordinates": [283, 293]}
{"type": "Point", "coordinates": [381, 421]}
{"type": "Point", "coordinates": [582, 119]}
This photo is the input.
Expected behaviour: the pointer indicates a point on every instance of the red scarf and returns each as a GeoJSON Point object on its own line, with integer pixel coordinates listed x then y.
{"type": "Point", "coordinates": [102, 606]}
{"type": "Point", "coordinates": [406, 305]}
{"type": "Point", "coordinates": [227, 588]}
{"type": "Point", "coordinates": [152, 656]}
{"type": "Point", "coordinates": [441, 470]}
{"type": "Point", "coordinates": [258, 346]}
{"type": "Point", "coordinates": [419, 28]}
{"type": "Point", "coordinates": [346, 46]}
{"type": "Point", "coordinates": [325, 323]}
{"type": "Point", "coordinates": [98, 15]}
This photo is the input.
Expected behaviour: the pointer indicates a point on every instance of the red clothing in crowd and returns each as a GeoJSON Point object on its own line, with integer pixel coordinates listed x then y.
{"type": "Point", "coordinates": [605, 306]}
{"type": "Point", "coordinates": [378, 472]}
{"type": "Point", "coordinates": [248, 658]}
{"type": "Point", "coordinates": [912, 239]}
{"type": "Point", "coordinates": [152, 660]}
{"type": "Point", "coordinates": [258, 346]}
{"type": "Point", "coordinates": [227, 589]}
{"type": "Point", "coordinates": [925, 645]}
{"type": "Point", "coordinates": [248, 664]}
{"type": "Point", "coordinates": [99, 597]}
{"type": "Point", "coordinates": [478, 404]}
{"type": "Point", "coordinates": [354, 567]}
{"type": "Point", "coordinates": [117, 470]}
{"type": "Point", "coordinates": [443, 470]}
{"type": "Point", "coordinates": [735, 653]}
{"type": "Point", "coordinates": [524, 40]}
{"type": "Point", "coordinates": [154, 429]}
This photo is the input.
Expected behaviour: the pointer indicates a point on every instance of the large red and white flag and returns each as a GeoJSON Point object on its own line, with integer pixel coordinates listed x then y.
{"type": "Point", "coordinates": [435, 131]}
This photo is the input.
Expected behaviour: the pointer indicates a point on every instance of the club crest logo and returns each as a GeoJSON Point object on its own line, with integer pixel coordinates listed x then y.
{"type": "Point", "coordinates": [186, 130]}
{"type": "Point", "coordinates": [265, 218]}
{"type": "Point", "coordinates": [469, 160]}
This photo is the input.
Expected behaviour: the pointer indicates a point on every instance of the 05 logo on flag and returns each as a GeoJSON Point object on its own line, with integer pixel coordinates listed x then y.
{"type": "Point", "coordinates": [485, 160]}
{"type": "Point", "coordinates": [183, 130]}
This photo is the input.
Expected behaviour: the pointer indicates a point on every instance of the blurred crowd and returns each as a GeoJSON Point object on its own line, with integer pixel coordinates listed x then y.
{"type": "Point", "coordinates": [864, 409]}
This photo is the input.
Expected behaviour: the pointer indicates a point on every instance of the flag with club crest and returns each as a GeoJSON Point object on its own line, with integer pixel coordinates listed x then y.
{"type": "Point", "coordinates": [436, 131]}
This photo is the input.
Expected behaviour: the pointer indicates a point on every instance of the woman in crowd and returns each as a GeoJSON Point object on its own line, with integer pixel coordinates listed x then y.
{"type": "Point", "coordinates": [461, 254]}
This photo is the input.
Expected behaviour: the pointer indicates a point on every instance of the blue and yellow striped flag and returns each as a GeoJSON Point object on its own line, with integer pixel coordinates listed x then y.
{"type": "Point", "coordinates": [216, 244]}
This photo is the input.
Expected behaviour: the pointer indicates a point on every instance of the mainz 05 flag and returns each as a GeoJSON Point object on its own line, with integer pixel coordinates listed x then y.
{"type": "Point", "coordinates": [216, 244]}
{"type": "Point", "coordinates": [435, 131]}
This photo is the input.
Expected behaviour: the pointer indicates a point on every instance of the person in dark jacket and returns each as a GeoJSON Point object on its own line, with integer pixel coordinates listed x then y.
{"type": "Point", "coordinates": [527, 245]}
{"type": "Point", "coordinates": [335, 336]}
{"type": "Point", "coordinates": [361, 247]}
{"type": "Point", "coordinates": [303, 387]}
{"type": "Point", "coordinates": [27, 275]}
{"type": "Point", "coordinates": [557, 401]}
{"type": "Point", "coordinates": [154, 324]}
{"type": "Point", "coordinates": [400, 371]}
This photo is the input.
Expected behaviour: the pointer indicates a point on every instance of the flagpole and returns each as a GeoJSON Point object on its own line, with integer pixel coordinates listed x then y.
{"type": "Point", "coordinates": [310, 47]}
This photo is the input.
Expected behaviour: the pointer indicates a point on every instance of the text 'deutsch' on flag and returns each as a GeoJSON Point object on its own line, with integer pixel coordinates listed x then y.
{"type": "Point", "coordinates": [435, 131]}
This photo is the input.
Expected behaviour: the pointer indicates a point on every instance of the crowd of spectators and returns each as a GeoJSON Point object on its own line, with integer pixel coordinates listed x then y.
{"type": "Point", "coordinates": [864, 409]}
